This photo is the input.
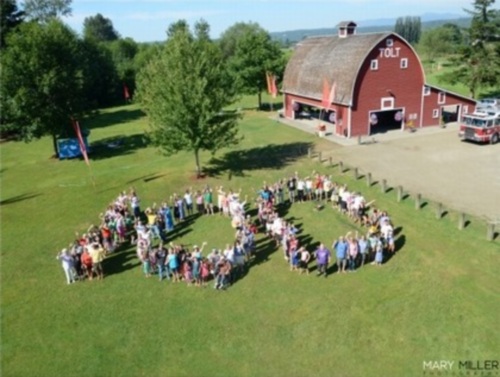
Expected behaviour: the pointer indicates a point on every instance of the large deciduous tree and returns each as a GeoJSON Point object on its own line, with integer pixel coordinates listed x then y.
{"type": "Point", "coordinates": [440, 41]}
{"type": "Point", "coordinates": [184, 90]}
{"type": "Point", "coordinates": [42, 80]}
{"type": "Point", "coordinates": [99, 28]}
{"type": "Point", "coordinates": [251, 53]}
{"type": "Point", "coordinates": [478, 63]}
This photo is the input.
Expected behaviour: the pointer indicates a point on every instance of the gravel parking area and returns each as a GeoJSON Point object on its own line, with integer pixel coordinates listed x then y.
{"type": "Point", "coordinates": [464, 176]}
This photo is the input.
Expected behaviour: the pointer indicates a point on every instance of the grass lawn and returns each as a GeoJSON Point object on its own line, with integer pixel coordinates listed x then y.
{"type": "Point", "coordinates": [437, 299]}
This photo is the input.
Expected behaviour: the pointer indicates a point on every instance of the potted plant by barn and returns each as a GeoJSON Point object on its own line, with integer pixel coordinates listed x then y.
{"type": "Point", "coordinates": [410, 126]}
{"type": "Point", "coordinates": [321, 130]}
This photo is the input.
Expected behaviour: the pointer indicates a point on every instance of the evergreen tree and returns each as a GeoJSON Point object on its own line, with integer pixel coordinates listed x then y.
{"type": "Point", "coordinates": [478, 63]}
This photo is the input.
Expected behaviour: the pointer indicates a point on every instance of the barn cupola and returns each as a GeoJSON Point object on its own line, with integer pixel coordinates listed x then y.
{"type": "Point", "coordinates": [346, 28]}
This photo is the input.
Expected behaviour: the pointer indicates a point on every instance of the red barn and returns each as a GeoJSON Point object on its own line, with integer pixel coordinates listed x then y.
{"type": "Point", "coordinates": [366, 83]}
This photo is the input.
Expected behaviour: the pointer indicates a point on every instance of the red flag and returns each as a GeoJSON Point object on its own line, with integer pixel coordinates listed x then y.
{"type": "Point", "coordinates": [326, 94]}
{"type": "Point", "coordinates": [126, 93]}
{"type": "Point", "coordinates": [268, 81]}
{"type": "Point", "coordinates": [274, 88]}
{"type": "Point", "coordinates": [83, 148]}
{"type": "Point", "coordinates": [333, 93]}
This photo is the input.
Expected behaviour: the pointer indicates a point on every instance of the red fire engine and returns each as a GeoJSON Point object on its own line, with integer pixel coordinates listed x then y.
{"type": "Point", "coordinates": [481, 126]}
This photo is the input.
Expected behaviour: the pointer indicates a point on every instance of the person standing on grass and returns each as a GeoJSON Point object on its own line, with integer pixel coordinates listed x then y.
{"type": "Point", "coordinates": [353, 249]}
{"type": "Point", "coordinates": [204, 271]}
{"type": "Point", "coordinates": [387, 232]}
{"type": "Point", "coordinates": [363, 249]}
{"type": "Point", "coordinates": [169, 219]}
{"type": "Point", "coordinates": [305, 257]}
{"type": "Point", "coordinates": [67, 265]}
{"type": "Point", "coordinates": [87, 263]}
{"type": "Point", "coordinates": [97, 254]}
{"type": "Point", "coordinates": [323, 256]}
{"type": "Point", "coordinates": [135, 204]}
{"type": "Point", "coordinates": [188, 199]}
{"type": "Point", "coordinates": [379, 254]}
{"type": "Point", "coordinates": [173, 264]}
{"type": "Point", "coordinates": [161, 256]}
{"type": "Point", "coordinates": [208, 201]}
{"type": "Point", "coordinates": [301, 186]}
{"type": "Point", "coordinates": [291, 185]}
{"type": "Point", "coordinates": [341, 248]}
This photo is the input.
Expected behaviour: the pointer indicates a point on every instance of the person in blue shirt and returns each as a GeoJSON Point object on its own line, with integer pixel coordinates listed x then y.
{"type": "Point", "coordinates": [340, 246]}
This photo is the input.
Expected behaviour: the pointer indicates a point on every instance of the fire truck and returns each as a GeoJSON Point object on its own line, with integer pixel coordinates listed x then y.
{"type": "Point", "coordinates": [482, 126]}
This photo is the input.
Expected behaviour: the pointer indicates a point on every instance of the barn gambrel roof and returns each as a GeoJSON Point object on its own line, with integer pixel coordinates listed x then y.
{"type": "Point", "coordinates": [332, 58]}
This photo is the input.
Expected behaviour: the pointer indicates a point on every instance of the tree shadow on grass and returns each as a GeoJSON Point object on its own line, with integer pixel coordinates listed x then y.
{"type": "Point", "coordinates": [104, 119]}
{"type": "Point", "coordinates": [271, 156]}
{"type": "Point", "coordinates": [18, 198]}
{"type": "Point", "coordinates": [116, 146]}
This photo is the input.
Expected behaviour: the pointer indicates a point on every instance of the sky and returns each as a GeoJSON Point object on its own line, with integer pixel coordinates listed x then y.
{"type": "Point", "coordinates": [147, 20]}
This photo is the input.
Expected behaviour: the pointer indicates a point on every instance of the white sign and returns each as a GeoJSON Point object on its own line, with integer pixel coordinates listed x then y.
{"type": "Point", "coordinates": [389, 52]}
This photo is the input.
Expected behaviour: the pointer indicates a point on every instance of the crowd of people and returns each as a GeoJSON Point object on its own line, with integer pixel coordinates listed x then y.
{"type": "Point", "coordinates": [150, 231]}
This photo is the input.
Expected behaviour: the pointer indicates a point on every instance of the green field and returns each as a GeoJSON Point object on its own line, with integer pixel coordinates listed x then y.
{"type": "Point", "coordinates": [436, 299]}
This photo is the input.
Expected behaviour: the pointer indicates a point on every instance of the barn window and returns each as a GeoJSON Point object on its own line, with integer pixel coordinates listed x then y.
{"type": "Point", "coordinates": [389, 42]}
{"type": "Point", "coordinates": [435, 113]}
{"type": "Point", "coordinates": [387, 103]}
{"type": "Point", "coordinates": [404, 63]}
{"type": "Point", "coordinates": [427, 91]}
{"type": "Point", "coordinates": [466, 109]}
{"type": "Point", "coordinates": [441, 98]}
{"type": "Point", "coordinates": [374, 65]}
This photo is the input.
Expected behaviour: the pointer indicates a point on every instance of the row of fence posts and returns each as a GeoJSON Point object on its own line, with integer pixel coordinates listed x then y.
{"type": "Point", "coordinates": [400, 195]}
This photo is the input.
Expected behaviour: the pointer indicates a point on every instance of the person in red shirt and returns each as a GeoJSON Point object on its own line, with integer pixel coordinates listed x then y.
{"type": "Point", "coordinates": [86, 260]}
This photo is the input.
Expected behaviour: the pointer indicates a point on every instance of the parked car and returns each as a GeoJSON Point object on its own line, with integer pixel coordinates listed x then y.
{"type": "Point", "coordinates": [487, 103]}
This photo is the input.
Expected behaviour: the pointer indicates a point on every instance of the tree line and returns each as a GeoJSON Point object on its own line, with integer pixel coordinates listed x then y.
{"type": "Point", "coordinates": [51, 75]}
{"type": "Point", "coordinates": [473, 52]}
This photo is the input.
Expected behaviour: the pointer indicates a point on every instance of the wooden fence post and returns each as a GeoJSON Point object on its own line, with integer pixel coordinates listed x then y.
{"type": "Point", "coordinates": [418, 201]}
{"type": "Point", "coordinates": [330, 161]}
{"type": "Point", "coordinates": [309, 152]}
{"type": "Point", "coordinates": [356, 173]}
{"type": "Point", "coordinates": [439, 211]}
{"type": "Point", "coordinates": [369, 179]}
{"type": "Point", "coordinates": [341, 167]}
{"type": "Point", "coordinates": [383, 186]}
{"type": "Point", "coordinates": [400, 193]}
{"type": "Point", "coordinates": [490, 231]}
{"type": "Point", "coordinates": [461, 220]}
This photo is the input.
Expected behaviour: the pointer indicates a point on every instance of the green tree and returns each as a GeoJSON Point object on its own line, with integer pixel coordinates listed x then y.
{"type": "Point", "coordinates": [102, 85]}
{"type": "Point", "coordinates": [478, 63]}
{"type": "Point", "coordinates": [10, 17]}
{"type": "Point", "coordinates": [45, 10]}
{"type": "Point", "coordinates": [99, 28]}
{"type": "Point", "coordinates": [440, 41]}
{"type": "Point", "coordinates": [123, 52]}
{"type": "Point", "coordinates": [251, 53]}
{"type": "Point", "coordinates": [184, 90]}
{"type": "Point", "coordinates": [42, 80]}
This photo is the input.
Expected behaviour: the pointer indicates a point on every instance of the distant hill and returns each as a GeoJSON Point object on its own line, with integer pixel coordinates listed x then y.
{"type": "Point", "coordinates": [429, 21]}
